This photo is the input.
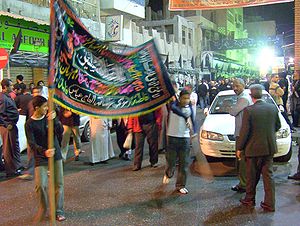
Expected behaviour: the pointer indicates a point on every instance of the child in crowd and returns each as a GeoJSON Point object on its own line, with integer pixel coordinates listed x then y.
{"type": "Point", "coordinates": [36, 129]}
{"type": "Point", "coordinates": [180, 127]}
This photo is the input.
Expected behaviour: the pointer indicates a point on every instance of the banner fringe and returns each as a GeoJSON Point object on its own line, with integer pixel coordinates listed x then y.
{"type": "Point", "coordinates": [110, 117]}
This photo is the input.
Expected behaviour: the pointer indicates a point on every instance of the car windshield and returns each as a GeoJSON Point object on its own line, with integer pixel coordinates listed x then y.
{"type": "Point", "coordinates": [222, 104]}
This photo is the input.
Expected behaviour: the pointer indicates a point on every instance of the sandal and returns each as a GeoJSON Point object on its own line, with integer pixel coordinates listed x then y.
{"type": "Point", "coordinates": [183, 191]}
{"type": "Point", "coordinates": [166, 179]}
{"type": "Point", "coordinates": [60, 217]}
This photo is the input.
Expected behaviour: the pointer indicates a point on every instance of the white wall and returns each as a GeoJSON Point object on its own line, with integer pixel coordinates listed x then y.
{"type": "Point", "coordinates": [132, 35]}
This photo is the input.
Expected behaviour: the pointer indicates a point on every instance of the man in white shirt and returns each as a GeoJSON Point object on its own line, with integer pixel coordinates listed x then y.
{"type": "Point", "coordinates": [180, 126]}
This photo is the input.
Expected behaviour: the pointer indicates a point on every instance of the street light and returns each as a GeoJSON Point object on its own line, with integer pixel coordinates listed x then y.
{"type": "Point", "coordinates": [265, 60]}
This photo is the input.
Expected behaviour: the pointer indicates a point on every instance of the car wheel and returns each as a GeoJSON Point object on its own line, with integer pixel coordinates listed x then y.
{"type": "Point", "coordinates": [86, 133]}
{"type": "Point", "coordinates": [285, 158]}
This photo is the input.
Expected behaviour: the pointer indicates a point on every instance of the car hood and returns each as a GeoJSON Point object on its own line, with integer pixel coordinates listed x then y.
{"type": "Point", "coordinates": [223, 123]}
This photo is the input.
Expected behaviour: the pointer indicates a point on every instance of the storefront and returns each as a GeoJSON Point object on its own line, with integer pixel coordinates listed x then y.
{"type": "Point", "coordinates": [31, 60]}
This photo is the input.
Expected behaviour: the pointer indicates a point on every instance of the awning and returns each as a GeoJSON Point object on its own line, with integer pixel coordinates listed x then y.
{"type": "Point", "coordinates": [41, 22]}
{"type": "Point", "coordinates": [29, 59]}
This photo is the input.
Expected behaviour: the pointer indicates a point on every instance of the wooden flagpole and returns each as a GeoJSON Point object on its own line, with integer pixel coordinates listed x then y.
{"type": "Point", "coordinates": [51, 160]}
{"type": "Point", "coordinates": [51, 124]}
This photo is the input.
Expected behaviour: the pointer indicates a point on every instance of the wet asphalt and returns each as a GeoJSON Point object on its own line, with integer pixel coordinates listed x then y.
{"type": "Point", "coordinates": [112, 194]}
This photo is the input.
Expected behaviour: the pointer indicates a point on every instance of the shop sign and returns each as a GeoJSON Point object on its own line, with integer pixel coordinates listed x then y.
{"type": "Point", "coordinates": [34, 38]}
{"type": "Point", "coordinates": [113, 28]}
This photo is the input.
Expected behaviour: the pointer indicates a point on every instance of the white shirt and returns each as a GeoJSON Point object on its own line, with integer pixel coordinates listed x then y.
{"type": "Point", "coordinates": [177, 125]}
{"type": "Point", "coordinates": [194, 99]}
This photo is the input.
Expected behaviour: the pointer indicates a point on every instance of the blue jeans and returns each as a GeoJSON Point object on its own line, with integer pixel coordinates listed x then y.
{"type": "Point", "coordinates": [41, 187]}
{"type": "Point", "coordinates": [177, 147]}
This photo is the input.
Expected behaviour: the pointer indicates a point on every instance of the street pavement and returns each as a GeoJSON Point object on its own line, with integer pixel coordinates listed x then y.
{"type": "Point", "coordinates": [112, 194]}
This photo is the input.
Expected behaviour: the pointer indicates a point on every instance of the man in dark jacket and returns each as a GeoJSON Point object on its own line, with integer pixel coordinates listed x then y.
{"type": "Point", "coordinates": [36, 129]}
{"type": "Point", "coordinates": [9, 117]}
{"type": "Point", "coordinates": [22, 102]}
{"type": "Point", "coordinates": [203, 94]}
{"type": "Point", "coordinates": [258, 141]}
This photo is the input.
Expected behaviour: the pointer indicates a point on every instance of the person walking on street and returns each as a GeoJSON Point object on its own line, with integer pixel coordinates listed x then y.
{"type": "Point", "coordinates": [145, 126]}
{"type": "Point", "coordinates": [203, 98]}
{"type": "Point", "coordinates": [295, 103]}
{"type": "Point", "coordinates": [101, 144]}
{"type": "Point", "coordinates": [296, 176]}
{"type": "Point", "coordinates": [180, 127]}
{"type": "Point", "coordinates": [9, 117]}
{"type": "Point", "coordinates": [121, 132]}
{"type": "Point", "coordinates": [295, 114]}
{"type": "Point", "coordinates": [36, 129]}
{"type": "Point", "coordinates": [22, 102]}
{"type": "Point", "coordinates": [284, 85]}
{"type": "Point", "coordinates": [277, 92]}
{"type": "Point", "coordinates": [71, 122]}
{"type": "Point", "coordinates": [257, 141]}
{"type": "Point", "coordinates": [243, 101]}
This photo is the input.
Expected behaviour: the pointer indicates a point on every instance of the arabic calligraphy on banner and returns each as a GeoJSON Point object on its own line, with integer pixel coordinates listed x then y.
{"type": "Point", "coordinates": [217, 4]}
{"type": "Point", "coordinates": [91, 79]}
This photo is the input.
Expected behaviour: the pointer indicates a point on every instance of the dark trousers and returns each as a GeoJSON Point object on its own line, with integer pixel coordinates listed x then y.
{"type": "Point", "coordinates": [254, 167]}
{"type": "Point", "coordinates": [241, 169]}
{"type": "Point", "coordinates": [121, 133]}
{"type": "Point", "coordinates": [30, 164]}
{"type": "Point", "coordinates": [149, 131]}
{"type": "Point", "coordinates": [11, 149]}
{"type": "Point", "coordinates": [295, 117]}
{"type": "Point", "coordinates": [177, 148]}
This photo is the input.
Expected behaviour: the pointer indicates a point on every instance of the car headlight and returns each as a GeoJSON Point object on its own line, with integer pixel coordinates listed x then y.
{"type": "Point", "coordinates": [211, 135]}
{"type": "Point", "coordinates": [283, 133]}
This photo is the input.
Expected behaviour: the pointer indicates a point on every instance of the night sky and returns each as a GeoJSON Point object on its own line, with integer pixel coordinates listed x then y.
{"type": "Point", "coordinates": [282, 13]}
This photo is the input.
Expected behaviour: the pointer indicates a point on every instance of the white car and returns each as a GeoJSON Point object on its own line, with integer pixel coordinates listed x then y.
{"type": "Point", "coordinates": [84, 128]}
{"type": "Point", "coordinates": [217, 132]}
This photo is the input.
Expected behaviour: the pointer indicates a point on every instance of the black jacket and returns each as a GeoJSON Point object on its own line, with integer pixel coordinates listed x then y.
{"type": "Point", "coordinates": [22, 103]}
{"type": "Point", "coordinates": [258, 133]}
{"type": "Point", "coordinates": [8, 111]}
{"type": "Point", "coordinates": [37, 138]}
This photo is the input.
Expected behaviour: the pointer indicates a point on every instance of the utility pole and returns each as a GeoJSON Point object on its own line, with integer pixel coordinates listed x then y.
{"type": "Point", "coordinates": [297, 40]}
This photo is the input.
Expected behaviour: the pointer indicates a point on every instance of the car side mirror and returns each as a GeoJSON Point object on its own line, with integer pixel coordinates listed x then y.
{"type": "Point", "coordinates": [205, 111]}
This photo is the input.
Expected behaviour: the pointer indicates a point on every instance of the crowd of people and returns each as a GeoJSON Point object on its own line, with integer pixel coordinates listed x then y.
{"type": "Point", "coordinates": [167, 129]}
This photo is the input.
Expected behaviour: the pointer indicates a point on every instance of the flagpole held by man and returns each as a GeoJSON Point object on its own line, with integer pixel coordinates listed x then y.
{"type": "Point", "coordinates": [138, 85]}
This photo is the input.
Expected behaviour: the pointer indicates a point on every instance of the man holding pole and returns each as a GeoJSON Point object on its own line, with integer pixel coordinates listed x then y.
{"type": "Point", "coordinates": [37, 136]}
